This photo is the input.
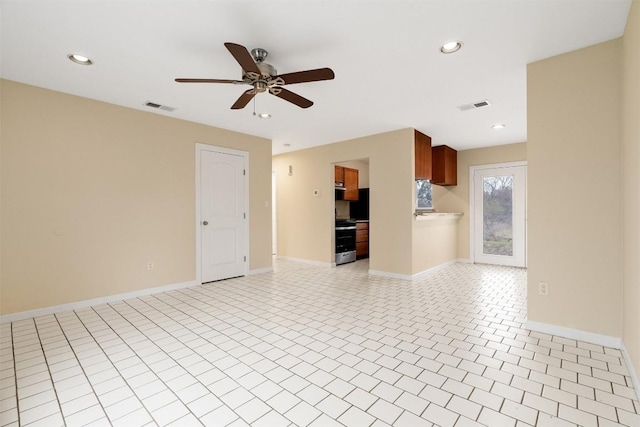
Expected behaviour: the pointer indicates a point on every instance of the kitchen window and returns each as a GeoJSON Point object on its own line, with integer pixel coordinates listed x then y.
{"type": "Point", "coordinates": [424, 199]}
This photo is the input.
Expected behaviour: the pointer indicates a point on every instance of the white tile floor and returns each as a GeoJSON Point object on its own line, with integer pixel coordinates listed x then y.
{"type": "Point", "coordinates": [312, 346]}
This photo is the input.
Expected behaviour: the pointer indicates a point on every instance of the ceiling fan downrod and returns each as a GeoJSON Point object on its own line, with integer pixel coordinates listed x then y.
{"type": "Point", "coordinates": [259, 54]}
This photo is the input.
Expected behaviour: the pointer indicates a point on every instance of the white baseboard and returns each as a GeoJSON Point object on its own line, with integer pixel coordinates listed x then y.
{"type": "Point", "coordinates": [412, 276]}
{"type": "Point", "coordinates": [91, 302]}
{"type": "Point", "coordinates": [574, 334]}
{"type": "Point", "coordinates": [590, 337]}
{"type": "Point", "coordinates": [260, 271]}
{"type": "Point", "coordinates": [433, 269]}
{"type": "Point", "coordinates": [464, 261]}
{"type": "Point", "coordinates": [390, 275]}
{"type": "Point", "coordinates": [632, 371]}
{"type": "Point", "coordinates": [307, 261]}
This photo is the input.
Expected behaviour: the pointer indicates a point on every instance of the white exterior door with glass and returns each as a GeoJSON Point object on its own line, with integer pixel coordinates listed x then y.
{"type": "Point", "coordinates": [498, 200]}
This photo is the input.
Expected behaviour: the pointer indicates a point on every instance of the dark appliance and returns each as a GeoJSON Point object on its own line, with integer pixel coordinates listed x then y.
{"type": "Point", "coordinates": [360, 209]}
{"type": "Point", "coordinates": [345, 241]}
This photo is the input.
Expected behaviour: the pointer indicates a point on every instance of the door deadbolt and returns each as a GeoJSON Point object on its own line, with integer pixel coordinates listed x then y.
{"type": "Point", "coordinates": [205, 222]}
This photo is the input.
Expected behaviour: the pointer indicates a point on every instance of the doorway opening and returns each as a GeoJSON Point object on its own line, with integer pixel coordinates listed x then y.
{"type": "Point", "coordinates": [351, 239]}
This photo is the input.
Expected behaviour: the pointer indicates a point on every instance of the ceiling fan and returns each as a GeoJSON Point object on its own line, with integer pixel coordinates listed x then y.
{"type": "Point", "coordinates": [264, 77]}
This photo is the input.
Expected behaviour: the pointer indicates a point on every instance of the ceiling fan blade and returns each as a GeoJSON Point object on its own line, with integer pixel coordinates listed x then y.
{"type": "Point", "coordinates": [293, 98]}
{"type": "Point", "coordinates": [308, 76]}
{"type": "Point", "coordinates": [242, 55]}
{"type": "Point", "coordinates": [244, 99]}
{"type": "Point", "coordinates": [208, 81]}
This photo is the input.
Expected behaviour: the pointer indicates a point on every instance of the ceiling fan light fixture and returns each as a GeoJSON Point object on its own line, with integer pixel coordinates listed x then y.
{"type": "Point", "coordinates": [79, 59]}
{"type": "Point", "coordinates": [450, 47]}
{"type": "Point", "coordinates": [264, 115]}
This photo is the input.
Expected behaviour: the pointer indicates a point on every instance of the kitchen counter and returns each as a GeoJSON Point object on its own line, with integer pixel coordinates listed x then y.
{"type": "Point", "coordinates": [427, 216]}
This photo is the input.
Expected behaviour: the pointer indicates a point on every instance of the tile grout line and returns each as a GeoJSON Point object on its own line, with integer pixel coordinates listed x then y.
{"type": "Point", "coordinates": [15, 373]}
{"type": "Point", "coordinates": [80, 365]}
{"type": "Point", "coordinates": [391, 384]}
{"type": "Point", "coordinates": [274, 361]}
{"type": "Point", "coordinates": [239, 361]}
{"type": "Point", "coordinates": [115, 310]}
{"type": "Point", "coordinates": [240, 344]}
{"type": "Point", "coordinates": [134, 352]}
{"type": "Point", "coordinates": [363, 329]}
{"type": "Point", "coordinates": [44, 354]}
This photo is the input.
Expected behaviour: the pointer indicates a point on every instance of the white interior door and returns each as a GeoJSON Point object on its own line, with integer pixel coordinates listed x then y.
{"type": "Point", "coordinates": [222, 215]}
{"type": "Point", "coordinates": [499, 215]}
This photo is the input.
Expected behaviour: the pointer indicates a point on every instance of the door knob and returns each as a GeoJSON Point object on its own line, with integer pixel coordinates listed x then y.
{"type": "Point", "coordinates": [205, 222]}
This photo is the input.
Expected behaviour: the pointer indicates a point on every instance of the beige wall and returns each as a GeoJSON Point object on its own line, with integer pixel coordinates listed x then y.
{"type": "Point", "coordinates": [456, 198]}
{"type": "Point", "coordinates": [434, 243]}
{"type": "Point", "coordinates": [92, 191]}
{"type": "Point", "coordinates": [397, 243]}
{"type": "Point", "coordinates": [631, 187]}
{"type": "Point", "coordinates": [574, 189]}
{"type": "Point", "coordinates": [306, 222]}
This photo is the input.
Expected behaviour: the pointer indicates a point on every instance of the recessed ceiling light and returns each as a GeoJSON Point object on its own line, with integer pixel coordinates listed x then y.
{"type": "Point", "coordinates": [264, 115]}
{"type": "Point", "coordinates": [451, 47]}
{"type": "Point", "coordinates": [79, 59]}
{"type": "Point", "coordinates": [499, 126]}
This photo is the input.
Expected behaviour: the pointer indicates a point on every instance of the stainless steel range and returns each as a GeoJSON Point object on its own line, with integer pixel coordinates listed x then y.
{"type": "Point", "coordinates": [345, 241]}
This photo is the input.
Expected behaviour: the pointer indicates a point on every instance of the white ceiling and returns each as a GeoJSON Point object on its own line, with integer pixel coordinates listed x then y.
{"type": "Point", "coordinates": [385, 54]}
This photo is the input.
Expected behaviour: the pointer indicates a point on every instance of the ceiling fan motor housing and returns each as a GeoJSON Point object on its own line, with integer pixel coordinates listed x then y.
{"type": "Point", "coordinates": [266, 70]}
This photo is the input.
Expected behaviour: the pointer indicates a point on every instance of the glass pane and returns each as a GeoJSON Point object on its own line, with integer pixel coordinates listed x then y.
{"type": "Point", "coordinates": [498, 215]}
{"type": "Point", "coordinates": [423, 194]}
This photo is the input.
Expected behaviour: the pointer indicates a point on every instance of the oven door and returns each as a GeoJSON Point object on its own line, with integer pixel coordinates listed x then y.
{"type": "Point", "coordinates": [345, 239]}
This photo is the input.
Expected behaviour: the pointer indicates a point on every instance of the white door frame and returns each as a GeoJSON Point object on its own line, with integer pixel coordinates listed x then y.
{"type": "Point", "coordinates": [274, 211]}
{"type": "Point", "coordinates": [472, 170]}
{"type": "Point", "coordinates": [206, 147]}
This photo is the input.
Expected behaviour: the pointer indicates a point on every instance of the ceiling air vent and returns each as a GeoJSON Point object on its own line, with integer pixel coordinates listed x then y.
{"type": "Point", "coordinates": [158, 106]}
{"type": "Point", "coordinates": [473, 106]}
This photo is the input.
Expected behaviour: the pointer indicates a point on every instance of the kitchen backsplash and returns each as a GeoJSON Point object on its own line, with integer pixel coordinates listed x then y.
{"type": "Point", "coordinates": [342, 209]}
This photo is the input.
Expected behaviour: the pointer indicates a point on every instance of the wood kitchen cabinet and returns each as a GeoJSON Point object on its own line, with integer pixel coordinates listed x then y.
{"type": "Point", "coordinates": [347, 178]}
{"type": "Point", "coordinates": [362, 239]}
{"type": "Point", "coordinates": [350, 184]}
{"type": "Point", "coordinates": [422, 146]}
{"type": "Point", "coordinates": [445, 165]}
{"type": "Point", "coordinates": [339, 175]}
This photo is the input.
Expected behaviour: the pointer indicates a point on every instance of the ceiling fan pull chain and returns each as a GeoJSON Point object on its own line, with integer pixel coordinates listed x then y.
{"type": "Point", "coordinates": [254, 106]}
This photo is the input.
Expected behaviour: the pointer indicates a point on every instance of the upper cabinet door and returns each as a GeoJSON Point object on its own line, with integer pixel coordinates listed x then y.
{"type": "Point", "coordinates": [445, 165]}
{"type": "Point", "coordinates": [423, 156]}
{"type": "Point", "coordinates": [339, 176]}
{"type": "Point", "coordinates": [350, 184]}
